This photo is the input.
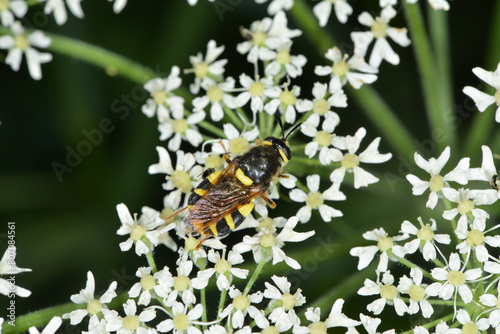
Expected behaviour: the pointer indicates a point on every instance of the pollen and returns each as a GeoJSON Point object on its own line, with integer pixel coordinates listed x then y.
{"type": "Point", "coordinates": [215, 94]}
{"type": "Point", "coordinates": [321, 107]}
{"type": "Point", "coordinates": [288, 301]}
{"type": "Point", "coordinates": [340, 68]}
{"type": "Point", "coordinates": [258, 38]}
{"type": "Point", "coordinates": [385, 243]}
{"type": "Point", "coordinates": [165, 213]}
{"type": "Point", "coordinates": [283, 57]}
{"type": "Point", "coordinates": [470, 328]}
{"type": "Point", "coordinates": [94, 306]}
{"type": "Point", "coordinates": [222, 266]}
{"type": "Point", "coordinates": [388, 292]}
{"type": "Point", "coordinates": [318, 328]}
{"type": "Point", "coordinates": [286, 97]}
{"type": "Point", "coordinates": [201, 70]}
{"type": "Point", "coordinates": [4, 4]}
{"type": "Point", "coordinates": [417, 293]}
{"type": "Point", "coordinates": [497, 97]}
{"type": "Point", "coordinates": [180, 126]}
{"type": "Point", "coordinates": [159, 97]}
{"type": "Point", "coordinates": [241, 302]}
{"type": "Point", "coordinates": [436, 183]}
{"type": "Point", "coordinates": [131, 322]}
{"type": "Point", "coordinates": [191, 243]}
{"type": "Point", "coordinates": [267, 225]}
{"type": "Point", "coordinates": [379, 28]}
{"type": "Point", "coordinates": [21, 43]}
{"type": "Point", "coordinates": [181, 322]}
{"type": "Point", "coordinates": [137, 232]}
{"type": "Point", "coordinates": [465, 206]}
{"type": "Point", "coordinates": [314, 200]}
{"type": "Point", "coordinates": [349, 161]}
{"type": "Point", "coordinates": [256, 88]}
{"type": "Point", "coordinates": [267, 240]}
{"type": "Point", "coordinates": [456, 278]}
{"type": "Point", "coordinates": [475, 237]}
{"type": "Point", "coordinates": [238, 145]}
{"type": "Point", "coordinates": [148, 282]}
{"type": "Point", "coordinates": [323, 138]}
{"type": "Point", "coordinates": [181, 283]}
{"type": "Point", "coordinates": [214, 161]}
{"type": "Point", "coordinates": [181, 180]}
{"type": "Point", "coordinates": [425, 233]}
{"type": "Point", "coordinates": [270, 330]}
{"type": "Point", "coordinates": [498, 302]}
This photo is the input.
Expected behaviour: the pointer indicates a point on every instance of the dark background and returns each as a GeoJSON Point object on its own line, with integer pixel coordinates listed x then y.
{"type": "Point", "coordinates": [65, 228]}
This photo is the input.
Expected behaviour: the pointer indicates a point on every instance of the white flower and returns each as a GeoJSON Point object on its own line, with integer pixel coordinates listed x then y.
{"type": "Point", "coordinates": [487, 172]}
{"type": "Point", "coordinates": [266, 36]}
{"type": "Point", "coordinates": [57, 7]}
{"type": "Point", "coordinates": [468, 325]}
{"type": "Point", "coordinates": [13, 8]}
{"type": "Point", "coordinates": [288, 103]}
{"type": "Point", "coordinates": [179, 128]}
{"type": "Point", "coordinates": [435, 4]}
{"type": "Point", "coordinates": [118, 5]}
{"type": "Point", "coordinates": [335, 319]}
{"type": "Point", "coordinates": [131, 322]}
{"type": "Point", "coordinates": [414, 288]}
{"type": "Point", "coordinates": [255, 91]}
{"type": "Point", "coordinates": [370, 325]}
{"type": "Point", "coordinates": [182, 320]}
{"type": "Point", "coordinates": [283, 302]}
{"type": "Point", "coordinates": [425, 238]}
{"type": "Point", "coordinates": [224, 269]}
{"type": "Point", "coordinates": [454, 279]}
{"type": "Point", "coordinates": [206, 68]}
{"type": "Point", "coordinates": [241, 306]}
{"type": "Point", "coordinates": [277, 5]}
{"type": "Point", "coordinates": [136, 229]}
{"type": "Point", "coordinates": [437, 182]}
{"type": "Point", "coordinates": [163, 101]}
{"type": "Point", "coordinates": [384, 244]}
{"type": "Point", "coordinates": [86, 296]}
{"type": "Point", "coordinates": [322, 103]}
{"type": "Point", "coordinates": [355, 70]}
{"type": "Point", "coordinates": [350, 161]}
{"type": "Point", "coordinates": [493, 302]}
{"type": "Point", "coordinates": [285, 63]}
{"type": "Point", "coordinates": [483, 100]}
{"type": "Point", "coordinates": [236, 143]}
{"type": "Point", "coordinates": [322, 139]}
{"type": "Point", "coordinates": [147, 284]}
{"type": "Point", "coordinates": [475, 239]}
{"type": "Point", "coordinates": [19, 43]}
{"type": "Point", "coordinates": [315, 200]}
{"type": "Point", "coordinates": [9, 267]}
{"type": "Point", "coordinates": [51, 327]}
{"type": "Point", "coordinates": [217, 95]}
{"type": "Point", "coordinates": [389, 295]}
{"type": "Point", "coordinates": [183, 178]}
{"type": "Point", "coordinates": [466, 204]}
{"type": "Point", "coordinates": [323, 9]}
{"type": "Point", "coordinates": [182, 284]}
{"type": "Point", "coordinates": [379, 30]}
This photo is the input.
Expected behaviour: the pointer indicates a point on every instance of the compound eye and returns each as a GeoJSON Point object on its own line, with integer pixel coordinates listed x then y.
{"type": "Point", "coordinates": [281, 145]}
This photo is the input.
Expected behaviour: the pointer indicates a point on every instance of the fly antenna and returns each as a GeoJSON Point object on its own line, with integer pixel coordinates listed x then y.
{"type": "Point", "coordinates": [292, 130]}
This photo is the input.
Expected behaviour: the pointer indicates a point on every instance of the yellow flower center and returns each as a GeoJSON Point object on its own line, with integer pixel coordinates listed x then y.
{"type": "Point", "coordinates": [379, 28]}
{"type": "Point", "coordinates": [4, 4]}
{"type": "Point", "coordinates": [256, 88]}
{"type": "Point", "coordinates": [287, 98]}
{"type": "Point", "coordinates": [417, 293]}
{"type": "Point", "coordinates": [258, 38]}
{"type": "Point", "coordinates": [181, 322]}
{"type": "Point", "coordinates": [201, 70]}
{"type": "Point", "coordinates": [21, 42]}
{"type": "Point", "coordinates": [238, 145]}
{"type": "Point", "coordinates": [456, 278]}
{"type": "Point", "coordinates": [318, 328]}
{"type": "Point", "coordinates": [339, 69]}
{"type": "Point", "coordinates": [215, 94]}
{"type": "Point", "coordinates": [323, 138]}
{"type": "Point", "coordinates": [475, 237]}
{"type": "Point", "coordinates": [498, 302]}
{"type": "Point", "coordinates": [190, 243]}
{"type": "Point", "coordinates": [266, 224]}
{"type": "Point", "coordinates": [388, 292]}
{"type": "Point", "coordinates": [180, 126]}
{"type": "Point", "coordinates": [385, 243]}
{"type": "Point", "coordinates": [159, 97]}
{"type": "Point", "coordinates": [465, 206]}
{"type": "Point", "coordinates": [321, 107]}
{"type": "Point", "coordinates": [181, 180]}
{"type": "Point", "coordinates": [349, 161]}
{"type": "Point", "coordinates": [181, 283]}
{"type": "Point", "coordinates": [137, 232]}
{"type": "Point", "coordinates": [267, 240]}
{"type": "Point", "coordinates": [94, 306]}
{"type": "Point", "coordinates": [241, 302]}
{"type": "Point", "coordinates": [270, 330]}
{"type": "Point", "coordinates": [131, 322]}
{"type": "Point", "coordinates": [425, 233]}
{"type": "Point", "coordinates": [470, 328]}
{"type": "Point", "coordinates": [288, 301]}
{"type": "Point", "coordinates": [436, 183]}
{"type": "Point", "coordinates": [147, 282]}
{"type": "Point", "coordinates": [314, 200]}
{"type": "Point", "coordinates": [497, 97]}
{"type": "Point", "coordinates": [283, 57]}
{"type": "Point", "coordinates": [222, 266]}
{"type": "Point", "coordinates": [214, 161]}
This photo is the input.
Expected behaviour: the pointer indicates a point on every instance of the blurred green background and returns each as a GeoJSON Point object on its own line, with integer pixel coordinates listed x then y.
{"type": "Point", "coordinates": [64, 229]}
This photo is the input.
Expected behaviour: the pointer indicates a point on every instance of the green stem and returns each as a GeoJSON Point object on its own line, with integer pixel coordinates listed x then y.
{"type": "Point", "coordinates": [440, 116]}
{"type": "Point", "coordinates": [222, 302]}
{"type": "Point", "coordinates": [255, 274]}
{"type": "Point", "coordinates": [433, 323]}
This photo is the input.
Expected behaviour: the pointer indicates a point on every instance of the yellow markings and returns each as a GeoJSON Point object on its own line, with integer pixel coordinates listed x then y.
{"type": "Point", "coordinates": [200, 192]}
{"type": "Point", "coordinates": [283, 156]}
{"type": "Point", "coordinates": [213, 227]}
{"type": "Point", "coordinates": [246, 209]}
{"type": "Point", "coordinates": [190, 207]}
{"type": "Point", "coordinates": [243, 178]}
{"type": "Point", "coordinates": [267, 142]}
{"type": "Point", "coordinates": [229, 221]}
{"type": "Point", "coordinates": [214, 176]}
